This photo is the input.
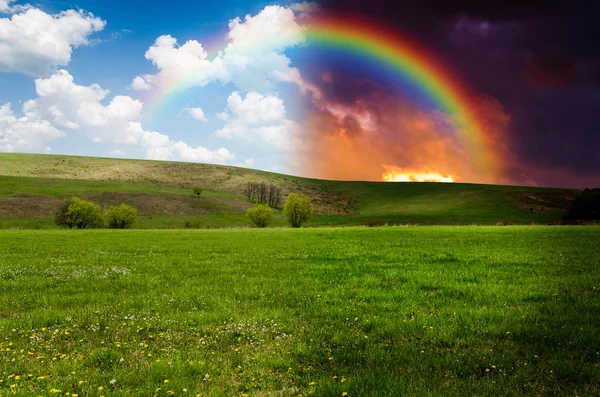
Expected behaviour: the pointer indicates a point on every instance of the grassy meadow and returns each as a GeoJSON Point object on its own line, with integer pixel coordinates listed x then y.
{"type": "Point", "coordinates": [387, 311]}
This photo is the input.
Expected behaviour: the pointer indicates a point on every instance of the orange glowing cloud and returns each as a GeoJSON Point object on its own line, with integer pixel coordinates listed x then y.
{"type": "Point", "coordinates": [379, 137]}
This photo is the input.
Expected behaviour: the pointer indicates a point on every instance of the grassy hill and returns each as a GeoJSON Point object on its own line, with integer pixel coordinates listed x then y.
{"type": "Point", "coordinates": [31, 186]}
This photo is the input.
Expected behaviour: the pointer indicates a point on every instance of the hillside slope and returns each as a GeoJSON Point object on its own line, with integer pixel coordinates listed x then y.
{"type": "Point", "coordinates": [31, 186]}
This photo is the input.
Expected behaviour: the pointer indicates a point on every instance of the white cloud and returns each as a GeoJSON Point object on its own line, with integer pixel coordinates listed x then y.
{"type": "Point", "coordinates": [161, 147]}
{"type": "Point", "coordinates": [7, 8]}
{"type": "Point", "coordinates": [68, 105]}
{"type": "Point", "coordinates": [258, 117]}
{"type": "Point", "coordinates": [224, 116]}
{"type": "Point", "coordinates": [34, 43]}
{"type": "Point", "coordinates": [195, 113]}
{"type": "Point", "coordinates": [23, 134]}
{"type": "Point", "coordinates": [176, 62]}
{"type": "Point", "coordinates": [63, 106]}
{"type": "Point", "coordinates": [139, 84]}
{"type": "Point", "coordinates": [249, 162]}
{"type": "Point", "coordinates": [256, 108]}
{"type": "Point", "coordinates": [253, 60]}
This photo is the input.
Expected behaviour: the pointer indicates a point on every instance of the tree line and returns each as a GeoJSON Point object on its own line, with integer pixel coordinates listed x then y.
{"type": "Point", "coordinates": [263, 193]}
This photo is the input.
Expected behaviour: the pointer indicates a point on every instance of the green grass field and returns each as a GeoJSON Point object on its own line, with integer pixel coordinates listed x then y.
{"type": "Point", "coordinates": [33, 186]}
{"type": "Point", "coordinates": [419, 311]}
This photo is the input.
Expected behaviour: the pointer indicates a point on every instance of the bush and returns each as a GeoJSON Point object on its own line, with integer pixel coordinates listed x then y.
{"type": "Point", "coordinates": [121, 217]}
{"type": "Point", "coordinates": [197, 191]}
{"type": "Point", "coordinates": [297, 209]}
{"type": "Point", "coordinates": [260, 216]}
{"type": "Point", "coordinates": [60, 216]}
{"type": "Point", "coordinates": [586, 206]}
{"type": "Point", "coordinates": [83, 214]}
{"type": "Point", "coordinates": [192, 225]}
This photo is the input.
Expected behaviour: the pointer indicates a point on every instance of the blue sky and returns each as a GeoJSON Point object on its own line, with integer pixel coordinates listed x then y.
{"type": "Point", "coordinates": [82, 100]}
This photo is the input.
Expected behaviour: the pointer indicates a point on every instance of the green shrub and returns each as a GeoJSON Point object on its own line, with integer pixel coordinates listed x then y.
{"type": "Point", "coordinates": [260, 216]}
{"type": "Point", "coordinates": [297, 209]}
{"type": "Point", "coordinates": [192, 225]}
{"type": "Point", "coordinates": [197, 191]}
{"type": "Point", "coordinates": [121, 217]}
{"type": "Point", "coordinates": [83, 214]}
{"type": "Point", "coordinates": [60, 216]}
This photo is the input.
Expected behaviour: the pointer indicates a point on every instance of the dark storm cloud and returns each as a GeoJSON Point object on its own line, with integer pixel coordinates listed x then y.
{"type": "Point", "coordinates": [539, 59]}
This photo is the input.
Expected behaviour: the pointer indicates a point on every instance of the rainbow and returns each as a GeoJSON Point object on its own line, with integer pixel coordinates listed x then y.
{"type": "Point", "coordinates": [415, 63]}
{"type": "Point", "coordinates": [406, 57]}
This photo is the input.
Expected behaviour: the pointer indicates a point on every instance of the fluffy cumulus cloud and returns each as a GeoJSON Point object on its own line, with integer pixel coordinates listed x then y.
{"type": "Point", "coordinates": [258, 118]}
{"type": "Point", "coordinates": [161, 147]}
{"type": "Point", "coordinates": [195, 113]}
{"type": "Point", "coordinates": [24, 134]}
{"type": "Point", "coordinates": [63, 107]}
{"type": "Point", "coordinates": [34, 42]}
{"type": "Point", "coordinates": [70, 106]}
{"type": "Point", "coordinates": [253, 59]}
{"type": "Point", "coordinates": [6, 7]}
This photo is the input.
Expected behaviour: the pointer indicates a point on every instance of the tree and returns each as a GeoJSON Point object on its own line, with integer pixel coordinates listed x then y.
{"type": "Point", "coordinates": [260, 216]}
{"type": "Point", "coordinates": [83, 214]}
{"type": "Point", "coordinates": [297, 209]}
{"type": "Point", "coordinates": [586, 206]}
{"type": "Point", "coordinates": [60, 216]}
{"type": "Point", "coordinates": [197, 191]}
{"type": "Point", "coordinates": [121, 217]}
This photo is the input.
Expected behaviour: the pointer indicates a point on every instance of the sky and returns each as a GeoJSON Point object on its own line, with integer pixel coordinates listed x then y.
{"type": "Point", "coordinates": [242, 83]}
